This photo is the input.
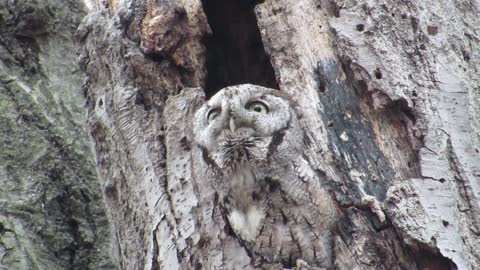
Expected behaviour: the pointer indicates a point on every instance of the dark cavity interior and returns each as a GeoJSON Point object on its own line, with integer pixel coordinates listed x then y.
{"type": "Point", "coordinates": [235, 53]}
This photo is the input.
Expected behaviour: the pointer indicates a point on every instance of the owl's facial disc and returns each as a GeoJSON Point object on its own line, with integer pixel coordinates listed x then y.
{"type": "Point", "coordinates": [238, 142]}
{"type": "Point", "coordinates": [239, 150]}
{"type": "Point", "coordinates": [238, 124]}
{"type": "Point", "coordinates": [236, 120]}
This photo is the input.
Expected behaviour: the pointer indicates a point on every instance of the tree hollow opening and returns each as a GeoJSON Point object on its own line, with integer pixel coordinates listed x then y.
{"type": "Point", "coordinates": [235, 53]}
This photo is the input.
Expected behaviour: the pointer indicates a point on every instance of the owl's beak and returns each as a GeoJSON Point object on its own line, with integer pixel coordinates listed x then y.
{"type": "Point", "coordinates": [232, 124]}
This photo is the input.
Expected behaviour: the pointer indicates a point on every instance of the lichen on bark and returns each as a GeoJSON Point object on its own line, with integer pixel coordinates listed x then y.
{"type": "Point", "coordinates": [52, 214]}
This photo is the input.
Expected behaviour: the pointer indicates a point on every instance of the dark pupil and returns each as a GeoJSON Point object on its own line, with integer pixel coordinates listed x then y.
{"type": "Point", "coordinates": [212, 115]}
{"type": "Point", "coordinates": [257, 108]}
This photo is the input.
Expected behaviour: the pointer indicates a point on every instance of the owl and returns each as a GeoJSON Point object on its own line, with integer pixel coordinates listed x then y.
{"type": "Point", "coordinates": [273, 200]}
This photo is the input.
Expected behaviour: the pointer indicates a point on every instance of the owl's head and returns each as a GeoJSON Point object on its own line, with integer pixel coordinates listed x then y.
{"type": "Point", "coordinates": [246, 123]}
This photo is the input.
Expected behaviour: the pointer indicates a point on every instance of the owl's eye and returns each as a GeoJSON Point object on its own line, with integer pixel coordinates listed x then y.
{"type": "Point", "coordinates": [212, 114]}
{"type": "Point", "coordinates": [258, 106]}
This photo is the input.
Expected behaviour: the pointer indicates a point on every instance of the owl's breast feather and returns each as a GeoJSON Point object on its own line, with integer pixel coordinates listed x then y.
{"type": "Point", "coordinates": [236, 149]}
{"type": "Point", "coordinates": [247, 225]}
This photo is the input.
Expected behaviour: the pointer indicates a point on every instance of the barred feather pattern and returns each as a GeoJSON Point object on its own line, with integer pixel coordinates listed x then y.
{"type": "Point", "coordinates": [236, 151]}
{"type": "Point", "coordinates": [274, 202]}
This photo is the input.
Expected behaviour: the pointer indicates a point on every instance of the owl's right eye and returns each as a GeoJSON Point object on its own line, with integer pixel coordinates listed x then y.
{"type": "Point", "coordinates": [212, 114]}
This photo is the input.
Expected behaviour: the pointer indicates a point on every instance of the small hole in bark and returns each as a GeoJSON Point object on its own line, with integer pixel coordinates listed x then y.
{"type": "Point", "coordinates": [334, 9]}
{"type": "Point", "coordinates": [466, 56]}
{"type": "Point", "coordinates": [323, 87]}
{"type": "Point", "coordinates": [404, 16]}
{"type": "Point", "coordinates": [322, 82]}
{"type": "Point", "coordinates": [100, 103]}
{"type": "Point", "coordinates": [414, 93]}
{"type": "Point", "coordinates": [185, 143]}
{"type": "Point", "coordinates": [422, 47]}
{"type": "Point", "coordinates": [414, 23]}
{"type": "Point", "coordinates": [442, 180]}
{"type": "Point", "coordinates": [360, 27]}
{"type": "Point", "coordinates": [445, 223]}
{"type": "Point", "coordinates": [432, 30]}
{"type": "Point", "coordinates": [378, 74]}
{"type": "Point", "coordinates": [235, 53]}
{"type": "Point", "coordinates": [141, 99]}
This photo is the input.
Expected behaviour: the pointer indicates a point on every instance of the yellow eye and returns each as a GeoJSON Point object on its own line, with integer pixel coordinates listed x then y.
{"type": "Point", "coordinates": [212, 114]}
{"type": "Point", "coordinates": [258, 106]}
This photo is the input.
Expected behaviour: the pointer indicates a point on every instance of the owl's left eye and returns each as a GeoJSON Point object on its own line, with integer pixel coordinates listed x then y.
{"type": "Point", "coordinates": [212, 114]}
{"type": "Point", "coordinates": [258, 106]}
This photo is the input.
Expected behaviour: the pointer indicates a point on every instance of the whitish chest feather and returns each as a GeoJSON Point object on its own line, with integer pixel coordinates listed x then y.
{"type": "Point", "coordinates": [247, 224]}
{"type": "Point", "coordinates": [245, 215]}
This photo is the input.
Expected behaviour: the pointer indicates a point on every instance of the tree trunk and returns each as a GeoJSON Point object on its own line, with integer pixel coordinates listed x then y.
{"type": "Point", "coordinates": [389, 96]}
{"type": "Point", "coordinates": [52, 214]}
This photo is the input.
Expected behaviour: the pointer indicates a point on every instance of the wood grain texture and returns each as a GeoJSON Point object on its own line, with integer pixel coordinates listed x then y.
{"type": "Point", "coordinates": [389, 99]}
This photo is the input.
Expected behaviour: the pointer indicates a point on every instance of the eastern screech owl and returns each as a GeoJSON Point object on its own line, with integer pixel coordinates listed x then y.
{"type": "Point", "coordinates": [273, 199]}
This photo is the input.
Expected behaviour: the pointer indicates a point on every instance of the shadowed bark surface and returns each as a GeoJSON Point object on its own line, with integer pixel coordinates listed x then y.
{"type": "Point", "coordinates": [52, 214]}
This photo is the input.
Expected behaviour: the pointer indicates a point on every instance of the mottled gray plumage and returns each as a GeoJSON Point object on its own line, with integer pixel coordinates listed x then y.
{"type": "Point", "coordinates": [250, 136]}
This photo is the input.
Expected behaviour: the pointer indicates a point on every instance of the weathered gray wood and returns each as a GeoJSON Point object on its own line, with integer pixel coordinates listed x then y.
{"type": "Point", "coordinates": [126, 93]}
{"type": "Point", "coordinates": [422, 57]}
{"type": "Point", "coordinates": [336, 124]}
{"type": "Point", "coordinates": [390, 101]}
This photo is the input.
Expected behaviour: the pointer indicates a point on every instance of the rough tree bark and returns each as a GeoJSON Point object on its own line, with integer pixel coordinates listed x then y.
{"type": "Point", "coordinates": [390, 99]}
{"type": "Point", "coordinates": [52, 213]}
